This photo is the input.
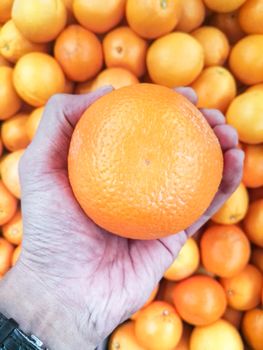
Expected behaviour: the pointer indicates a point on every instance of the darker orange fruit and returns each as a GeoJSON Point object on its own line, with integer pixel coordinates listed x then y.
{"type": "Point", "coordinates": [16, 255]}
{"type": "Point", "coordinates": [252, 328]}
{"type": "Point", "coordinates": [8, 204]}
{"type": "Point", "coordinates": [233, 316]}
{"type": "Point", "coordinates": [191, 300]}
{"type": "Point", "coordinates": [154, 132]}
{"type": "Point", "coordinates": [253, 165]}
{"type": "Point", "coordinates": [79, 53]}
{"type": "Point", "coordinates": [253, 222]}
{"type": "Point", "coordinates": [225, 250]}
{"type": "Point", "coordinates": [6, 252]}
{"type": "Point", "coordinates": [124, 48]}
{"type": "Point", "coordinates": [13, 132]}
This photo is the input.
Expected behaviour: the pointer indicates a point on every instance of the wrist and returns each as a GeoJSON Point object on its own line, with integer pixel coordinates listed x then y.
{"type": "Point", "coordinates": [24, 298]}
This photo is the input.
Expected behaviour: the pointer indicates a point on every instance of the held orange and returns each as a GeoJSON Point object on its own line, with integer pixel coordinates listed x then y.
{"type": "Point", "coordinates": [192, 16]}
{"type": "Point", "coordinates": [153, 18]}
{"type": "Point", "coordinates": [223, 92]}
{"type": "Point", "coordinates": [39, 20]}
{"type": "Point", "coordinates": [13, 132]}
{"type": "Point", "coordinates": [14, 45]}
{"type": "Point", "coordinates": [79, 52]}
{"type": "Point", "coordinates": [38, 76]}
{"type": "Point", "coordinates": [176, 59]}
{"type": "Point", "coordinates": [163, 138]}
{"type": "Point", "coordinates": [246, 59]}
{"type": "Point", "coordinates": [10, 101]}
{"type": "Point", "coordinates": [99, 16]}
{"type": "Point", "coordinates": [122, 47]}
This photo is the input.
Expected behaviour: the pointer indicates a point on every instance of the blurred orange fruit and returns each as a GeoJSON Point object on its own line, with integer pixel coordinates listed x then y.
{"type": "Point", "coordinates": [8, 204]}
{"type": "Point", "coordinates": [5, 10]}
{"type": "Point", "coordinates": [228, 23]}
{"type": "Point", "coordinates": [175, 59]}
{"type": "Point", "coordinates": [184, 343]}
{"type": "Point", "coordinates": [225, 250]}
{"type": "Point", "coordinates": [153, 18]}
{"type": "Point", "coordinates": [69, 86]}
{"type": "Point", "coordinates": [243, 290]}
{"type": "Point", "coordinates": [192, 16]}
{"type": "Point", "coordinates": [9, 172]}
{"type": "Point", "coordinates": [257, 258]}
{"type": "Point", "coordinates": [166, 291]}
{"type": "Point", "coordinates": [99, 16]}
{"type": "Point", "coordinates": [124, 338]}
{"type": "Point", "coordinates": [253, 165]}
{"type": "Point", "coordinates": [158, 326]}
{"type": "Point", "coordinates": [223, 5]}
{"type": "Point", "coordinates": [116, 77]}
{"type": "Point", "coordinates": [136, 216]}
{"type": "Point", "coordinates": [16, 254]}
{"type": "Point", "coordinates": [79, 52]}
{"type": "Point", "coordinates": [252, 328]}
{"type": "Point", "coordinates": [255, 193]}
{"type": "Point", "coordinates": [253, 222]}
{"type": "Point", "coordinates": [122, 47]}
{"type": "Point", "coordinates": [10, 101]}
{"type": "Point", "coordinates": [6, 252]}
{"type": "Point", "coordinates": [191, 296]}
{"type": "Point", "coordinates": [39, 20]}
{"type": "Point", "coordinates": [4, 62]}
{"type": "Point", "coordinates": [13, 132]}
{"type": "Point", "coordinates": [14, 45]}
{"type": "Point", "coordinates": [235, 208]}
{"type": "Point", "coordinates": [246, 59]}
{"type": "Point", "coordinates": [13, 229]}
{"type": "Point", "coordinates": [185, 263]}
{"type": "Point", "coordinates": [233, 316]}
{"type": "Point", "coordinates": [33, 122]}
{"type": "Point", "coordinates": [37, 77]}
{"type": "Point", "coordinates": [257, 87]}
{"type": "Point", "coordinates": [217, 336]}
{"type": "Point", "coordinates": [251, 17]}
{"type": "Point", "coordinates": [214, 43]}
{"type": "Point", "coordinates": [223, 92]}
{"type": "Point", "coordinates": [245, 114]}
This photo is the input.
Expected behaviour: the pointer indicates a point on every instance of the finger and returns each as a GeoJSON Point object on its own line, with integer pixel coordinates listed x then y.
{"type": "Point", "coordinates": [232, 175]}
{"type": "Point", "coordinates": [48, 150]}
{"type": "Point", "coordinates": [213, 116]}
{"type": "Point", "coordinates": [227, 136]}
{"type": "Point", "coordinates": [187, 92]}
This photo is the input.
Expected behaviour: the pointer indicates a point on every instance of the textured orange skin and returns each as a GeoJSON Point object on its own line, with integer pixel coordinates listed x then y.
{"type": "Point", "coordinates": [33, 122]}
{"type": "Point", "coordinates": [79, 53]}
{"type": "Point", "coordinates": [143, 162]}
{"type": "Point", "coordinates": [193, 15]}
{"type": "Point", "coordinates": [225, 250]}
{"type": "Point", "coordinates": [16, 254]}
{"type": "Point", "coordinates": [6, 252]}
{"type": "Point", "coordinates": [116, 77]}
{"type": "Point", "coordinates": [246, 59]}
{"type": "Point", "coordinates": [14, 45]}
{"type": "Point", "coordinates": [244, 290]}
{"type": "Point", "coordinates": [251, 17]}
{"type": "Point", "coordinates": [10, 101]}
{"type": "Point", "coordinates": [153, 18]}
{"type": "Point", "coordinates": [223, 92]}
{"type": "Point", "coordinates": [99, 16]}
{"type": "Point", "coordinates": [124, 48]}
{"type": "Point", "coordinates": [253, 165]}
{"type": "Point", "coordinates": [8, 204]}
{"type": "Point", "coordinates": [158, 326]}
{"type": "Point", "coordinates": [199, 300]}
{"type": "Point", "coordinates": [13, 229]}
{"type": "Point", "coordinates": [252, 328]}
{"type": "Point", "coordinates": [175, 59]}
{"type": "Point", "coordinates": [123, 338]}
{"type": "Point", "coordinates": [257, 257]}
{"type": "Point", "coordinates": [253, 222]}
{"type": "Point", "coordinates": [9, 172]}
{"type": "Point", "coordinates": [13, 132]}
{"type": "Point", "coordinates": [228, 23]}
{"type": "Point", "coordinates": [38, 76]}
{"type": "Point", "coordinates": [233, 316]}
{"type": "Point", "coordinates": [214, 43]}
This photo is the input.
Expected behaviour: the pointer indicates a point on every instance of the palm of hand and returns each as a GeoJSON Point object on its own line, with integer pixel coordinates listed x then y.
{"type": "Point", "coordinates": [101, 277]}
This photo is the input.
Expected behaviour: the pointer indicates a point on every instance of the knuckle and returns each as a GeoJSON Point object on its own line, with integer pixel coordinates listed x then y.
{"type": "Point", "coordinates": [56, 100]}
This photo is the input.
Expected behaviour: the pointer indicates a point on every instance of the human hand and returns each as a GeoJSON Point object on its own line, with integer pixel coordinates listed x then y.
{"type": "Point", "coordinates": [75, 282]}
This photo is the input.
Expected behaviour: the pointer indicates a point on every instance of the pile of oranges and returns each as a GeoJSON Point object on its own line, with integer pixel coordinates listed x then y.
{"type": "Point", "coordinates": [211, 297]}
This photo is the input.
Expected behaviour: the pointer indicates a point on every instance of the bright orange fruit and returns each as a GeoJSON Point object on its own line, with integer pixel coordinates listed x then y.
{"type": "Point", "coordinates": [13, 132]}
{"type": "Point", "coordinates": [253, 222]}
{"type": "Point", "coordinates": [253, 165]}
{"type": "Point", "coordinates": [9, 172]}
{"type": "Point", "coordinates": [223, 5]}
{"type": "Point", "coordinates": [13, 229]}
{"type": "Point", "coordinates": [16, 254]}
{"type": "Point", "coordinates": [8, 204]}
{"type": "Point", "coordinates": [123, 338]}
{"type": "Point", "coordinates": [252, 328]}
{"type": "Point", "coordinates": [192, 16]}
{"type": "Point", "coordinates": [251, 17]}
{"type": "Point", "coordinates": [33, 122]}
{"type": "Point", "coordinates": [6, 252]}
{"type": "Point", "coordinates": [156, 203]}
{"type": "Point", "coordinates": [5, 10]}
